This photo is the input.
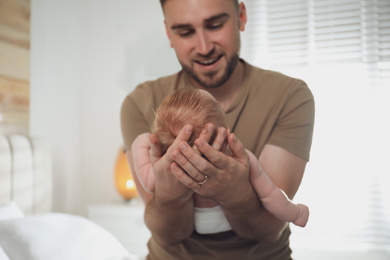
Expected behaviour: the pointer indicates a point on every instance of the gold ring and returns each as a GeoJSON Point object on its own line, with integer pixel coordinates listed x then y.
{"type": "Point", "coordinates": [204, 181]}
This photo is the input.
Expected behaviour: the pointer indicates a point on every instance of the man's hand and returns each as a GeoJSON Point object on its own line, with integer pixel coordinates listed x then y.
{"type": "Point", "coordinates": [228, 184]}
{"type": "Point", "coordinates": [171, 204]}
{"type": "Point", "coordinates": [219, 143]}
{"type": "Point", "coordinates": [167, 186]}
{"type": "Point", "coordinates": [225, 173]}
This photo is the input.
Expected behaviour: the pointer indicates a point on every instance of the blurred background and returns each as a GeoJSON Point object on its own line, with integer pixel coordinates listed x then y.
{"type": "Point", "coordinates": [342, 50]}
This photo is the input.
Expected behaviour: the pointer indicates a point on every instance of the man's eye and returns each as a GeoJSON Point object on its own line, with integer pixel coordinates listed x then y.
{"type": "Point", "coordinates": [215, 25]}
{"type": "Point", "coordinates": [185, 33]}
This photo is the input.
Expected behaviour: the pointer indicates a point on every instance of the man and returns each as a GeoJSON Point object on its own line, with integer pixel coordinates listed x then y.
{"type": "Point", "coordinates": [272, 115]}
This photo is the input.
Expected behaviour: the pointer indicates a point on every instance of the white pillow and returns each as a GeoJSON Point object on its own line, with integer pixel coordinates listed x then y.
{"type": "Point", "coordinates": [58, 236]}
{"type": "Point", "coordinates": [10, 210]}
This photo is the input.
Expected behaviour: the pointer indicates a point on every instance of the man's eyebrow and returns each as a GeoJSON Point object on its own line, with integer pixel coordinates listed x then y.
{"type": "Point", "coordinates": [180, 26]}
{"type": "Point", "coordinates": [208, 20]}
{"type": "Point", "coordinates": [217, 17]}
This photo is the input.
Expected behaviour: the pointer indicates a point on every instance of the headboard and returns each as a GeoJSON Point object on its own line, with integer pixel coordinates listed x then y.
{"type": "Point", "coordinates": [25, 173]}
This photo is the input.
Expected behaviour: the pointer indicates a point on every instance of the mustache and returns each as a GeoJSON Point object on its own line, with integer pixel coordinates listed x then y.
{"type": "Point", "coordinates": [208, 55]}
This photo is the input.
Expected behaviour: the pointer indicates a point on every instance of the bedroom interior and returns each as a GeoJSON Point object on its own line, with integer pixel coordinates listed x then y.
{"type": "Point", "coordinates": [46, 118]}
{"type": "Point", "coordinates": [65, 67]}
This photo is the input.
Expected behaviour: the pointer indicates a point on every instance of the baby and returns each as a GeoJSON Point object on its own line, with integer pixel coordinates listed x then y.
{"type": "Point", "coordinates": [198, 107]}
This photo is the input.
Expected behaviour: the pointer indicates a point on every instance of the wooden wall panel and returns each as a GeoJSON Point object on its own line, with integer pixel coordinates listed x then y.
{"type": "Point", "coordinates": [14, 66]}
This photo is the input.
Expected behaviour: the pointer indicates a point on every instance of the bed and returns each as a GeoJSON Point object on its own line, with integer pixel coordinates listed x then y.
{"type": "Point", "coordinates": [29, 230]}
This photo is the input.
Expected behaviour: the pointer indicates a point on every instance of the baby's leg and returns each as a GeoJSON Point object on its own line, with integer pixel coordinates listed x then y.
{"type": "Point", "coordinates": [282, 207]}
{"type": "Point", "coordinates": [303, 216]}
{"type": "Point", "coordinates": [273, 198]}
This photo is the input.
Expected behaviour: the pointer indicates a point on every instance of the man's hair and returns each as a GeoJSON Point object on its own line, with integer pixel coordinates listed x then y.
{"type": "Point", "coordinates": [186, 106]}
{"type": "Point", "coordinates": [162, 2]}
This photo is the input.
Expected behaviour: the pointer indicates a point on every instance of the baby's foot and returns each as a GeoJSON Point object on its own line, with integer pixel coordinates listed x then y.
{"type": "Point", "coordinates": [303, 215]}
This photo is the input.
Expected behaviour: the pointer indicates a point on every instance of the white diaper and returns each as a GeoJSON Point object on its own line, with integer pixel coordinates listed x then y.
{"type": "Point", "coordinates": [211, 220]}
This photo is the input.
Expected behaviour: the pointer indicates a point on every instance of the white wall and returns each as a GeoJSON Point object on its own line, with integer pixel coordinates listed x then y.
{"type": "Point", "coordinates": [55, 109]}
{"type": "Point", "coordinates": [86, 56]}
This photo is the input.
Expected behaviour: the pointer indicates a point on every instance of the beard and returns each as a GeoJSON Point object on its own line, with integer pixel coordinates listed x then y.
{"type": "Point", "coordinates": [212, 79]}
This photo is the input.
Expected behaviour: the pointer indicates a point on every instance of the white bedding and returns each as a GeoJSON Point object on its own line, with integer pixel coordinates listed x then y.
{"type": "Point", "coordinates": [10, 211]}
{"type": "Point", "coordinates": [28, 231]}
{"type": "Point", "coordinates": [56, 236]}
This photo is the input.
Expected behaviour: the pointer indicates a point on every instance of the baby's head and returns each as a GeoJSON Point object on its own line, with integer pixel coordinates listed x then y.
{"type": "Point", "coordinates": [186, 106]}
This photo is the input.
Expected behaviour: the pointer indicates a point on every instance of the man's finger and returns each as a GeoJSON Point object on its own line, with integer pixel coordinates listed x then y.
{"type": "Point", "coordinates": [183, 136]}
{"type": "Point", "coordinates": [237, 149]}
{"type": "Point", "coordinates": [180, 157]}
{"type": "Point", "coordinates": [220, 139]}
{"type": "Point", "coordinates": [217, 158]}
{"type": "Point", "coordinates": [184, 178]}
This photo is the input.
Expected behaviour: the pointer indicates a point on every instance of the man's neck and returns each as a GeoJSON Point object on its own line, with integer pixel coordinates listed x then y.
{"type": "Point", "coordinates": [227, 93]}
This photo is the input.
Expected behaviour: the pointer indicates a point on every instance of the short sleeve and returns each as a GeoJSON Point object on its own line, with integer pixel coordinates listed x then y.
{"type": "Point", "coordinates": [133, 122]}
{"type": "Point", "coordinates": [138, 108]}
{"type": "Point", "coordinates": [294, 128]}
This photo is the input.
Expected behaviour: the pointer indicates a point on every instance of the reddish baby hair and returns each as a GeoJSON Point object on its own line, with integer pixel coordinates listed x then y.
{"type": "Point", "coordinates": [186, 106]}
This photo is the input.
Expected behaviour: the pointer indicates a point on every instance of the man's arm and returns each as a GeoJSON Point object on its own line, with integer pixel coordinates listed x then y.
{"type": "Point", "coordinates": [229, 185]}
{"type": "Point", "coordinates": [169, 210]}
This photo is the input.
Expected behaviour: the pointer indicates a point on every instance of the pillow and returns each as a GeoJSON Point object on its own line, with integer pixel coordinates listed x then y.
{"type": "Point", "coordinates": [9, 211]}
{"type": "Point", "coordinates": [58, 236]}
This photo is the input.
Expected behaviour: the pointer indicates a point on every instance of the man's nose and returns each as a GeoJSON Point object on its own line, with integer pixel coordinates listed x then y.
{"type": "Point", "coordinates": [204, 44]}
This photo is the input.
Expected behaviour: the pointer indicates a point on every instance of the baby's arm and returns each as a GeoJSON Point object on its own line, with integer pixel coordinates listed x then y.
{"type": "Point", "coordinates": [273, 198]}
{"type": "Point", "coordinates": [142, 164]}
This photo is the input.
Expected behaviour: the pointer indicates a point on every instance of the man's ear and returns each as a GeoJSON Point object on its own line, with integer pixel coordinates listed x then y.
{"type": "Point", "coordinates": [168, 34]}
{"type": "Point", "coordinates": [242, 16]}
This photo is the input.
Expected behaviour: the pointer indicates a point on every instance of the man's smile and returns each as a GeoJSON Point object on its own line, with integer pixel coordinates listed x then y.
{"type": "Point", "coordinates": [209, 61]}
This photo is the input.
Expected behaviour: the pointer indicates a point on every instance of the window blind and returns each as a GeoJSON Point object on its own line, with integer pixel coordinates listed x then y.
{"type": "Point", "coordinates": [286, 33]}
{"type": "Point", "coordinates": [341, 48]}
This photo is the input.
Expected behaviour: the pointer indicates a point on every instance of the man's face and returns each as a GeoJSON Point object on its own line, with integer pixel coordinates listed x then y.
{"type": "Point", "coordinates": [205, 36]}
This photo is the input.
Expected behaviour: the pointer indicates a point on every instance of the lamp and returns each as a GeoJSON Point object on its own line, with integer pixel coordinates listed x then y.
{"type": "Point", "coordinates": [124, 181]}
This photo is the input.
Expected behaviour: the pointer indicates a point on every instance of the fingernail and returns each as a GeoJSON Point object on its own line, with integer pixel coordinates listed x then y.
{"type": "Point", "coordinates": [198, 142]}
{"type": "Point", "coordinates": [234, 138]}
{"type": "Point", "coordinates": [223, 131]}
{"type": "Point", "coordinates": [183, 147]}
{"type": "Point", "coordinates": [210, 127]}
{"type": "Point", "coordinates": [188, 129]}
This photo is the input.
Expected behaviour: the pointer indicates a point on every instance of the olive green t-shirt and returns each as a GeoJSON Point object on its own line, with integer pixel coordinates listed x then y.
{"type": "Point", "coordinates": [270, 108]}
